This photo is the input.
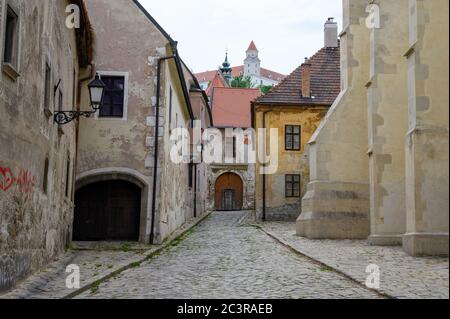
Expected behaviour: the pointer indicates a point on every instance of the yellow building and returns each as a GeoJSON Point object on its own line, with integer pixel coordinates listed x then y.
{"type": "Point", "coordinates": [294, 108]}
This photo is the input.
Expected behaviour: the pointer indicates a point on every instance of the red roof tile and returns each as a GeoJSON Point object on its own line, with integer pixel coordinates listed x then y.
{"type": "Point", "coordinates": [217, 82]}
{"type": "Point", "coordinates": [252, 47]}
{"type": "Point", "coordinates": [325, 82]}
{"type": "Point", "coordinates": [208, 76]}
{"type": "Point", "coordinates": [231, 107]}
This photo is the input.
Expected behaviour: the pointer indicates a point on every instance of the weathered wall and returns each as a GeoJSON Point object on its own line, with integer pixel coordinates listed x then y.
{"type": "Point", "coordinates": [127, 44]}
{"type": "Point", "coordinates": [175, 197]}
{"type": "Point", "coordinates": [35, 224]}
{"type": "Point", "coordinates": [246, 171]}
{"type": "Point", "coordinates": [388, 123]}
{"type": "Point", "coordinates": [336, 204]}
{"type": "Point", "coordinates": [278, 207]}
{"type": "Point", "coordinates": [427, 140]}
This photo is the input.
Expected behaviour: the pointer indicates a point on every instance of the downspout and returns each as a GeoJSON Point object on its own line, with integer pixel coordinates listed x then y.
{"type": "Point", "coordinates": [264, 175]}
{"type": "Point", "coordinates": [195, 190]}
{"type": "Point", "coordinates": [156, 155]}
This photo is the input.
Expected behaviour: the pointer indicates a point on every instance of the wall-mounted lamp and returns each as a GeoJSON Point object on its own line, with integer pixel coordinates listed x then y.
{"type": "Point", "coordinates": [96, 95]}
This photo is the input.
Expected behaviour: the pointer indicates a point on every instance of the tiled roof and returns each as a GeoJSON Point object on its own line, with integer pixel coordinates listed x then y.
{"type": "Point", "coordinates": [208, 76]}
{"type": "Point", "coordinates": [217, 82]}
{"type": "Point", "coordinates": [231, 107]}
{"type": "Point", "coordinates": [325, 82]}
{"type": "Point", "coordinates": [252, 47]}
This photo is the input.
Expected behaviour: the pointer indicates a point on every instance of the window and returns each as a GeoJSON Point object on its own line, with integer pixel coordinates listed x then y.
{"type": "Point", "coordinates": [191, 175]}
{"type": "Point", "coordinates": [10, 54]}
{"type": "Point", "coordinates": [45, 177]}
{"type": "Point", "coordinates": [47, 89]}
{"type": "Point", "coordinates": [292, 138]}
{"type": "Point", "coordinates": [113, 103]}
{"type": "Point", "coordinates": [292, 186]}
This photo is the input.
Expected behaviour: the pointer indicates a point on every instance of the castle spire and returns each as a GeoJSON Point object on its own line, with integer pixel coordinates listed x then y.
{"type": "Point", "coordinates": [226, 69]}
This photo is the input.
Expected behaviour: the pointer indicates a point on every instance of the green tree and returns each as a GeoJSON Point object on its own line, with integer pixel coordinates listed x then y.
{"type": "Point", "coordinates": [242, 82]}
{"type": "Point", "coordinates": [265, 88]}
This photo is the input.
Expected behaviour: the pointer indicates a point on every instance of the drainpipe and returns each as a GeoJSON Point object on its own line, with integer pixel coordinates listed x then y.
{"type": "Point", "coordinates": [155, 170]}
{"type": "Point", "coordinates": [195, 190]}
{"type": "Point", "coordinates": [264, 175]}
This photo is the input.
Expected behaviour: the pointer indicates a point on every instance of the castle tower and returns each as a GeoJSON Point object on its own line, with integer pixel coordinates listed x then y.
{"type": "Point", "coordinates": [252, 64]}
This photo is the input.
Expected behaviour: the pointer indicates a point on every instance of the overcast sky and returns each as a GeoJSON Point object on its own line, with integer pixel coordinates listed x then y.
{"type": "Point", "coordinates": [285, 31]}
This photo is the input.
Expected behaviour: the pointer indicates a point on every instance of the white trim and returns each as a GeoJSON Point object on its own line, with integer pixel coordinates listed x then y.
{"type": "Point", "coordinates": [125, 95]}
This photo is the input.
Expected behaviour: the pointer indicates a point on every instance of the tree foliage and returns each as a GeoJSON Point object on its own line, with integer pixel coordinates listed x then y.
{"type": "Point", "coordinates": [242, 82]}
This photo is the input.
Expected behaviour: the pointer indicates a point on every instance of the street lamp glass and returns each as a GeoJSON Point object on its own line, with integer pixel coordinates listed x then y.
{"type": "Point", "coordinates": [96, 92]}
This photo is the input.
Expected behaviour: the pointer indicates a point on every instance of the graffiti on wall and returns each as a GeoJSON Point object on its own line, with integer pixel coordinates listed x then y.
{"type": "Point", "coordinates": [24, 181]}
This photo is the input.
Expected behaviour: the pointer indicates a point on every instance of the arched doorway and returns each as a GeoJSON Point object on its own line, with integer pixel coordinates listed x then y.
{"type": "Point", "coordinates": [107, 210]}
{"type": "Point", "coordinates": [229, 190]}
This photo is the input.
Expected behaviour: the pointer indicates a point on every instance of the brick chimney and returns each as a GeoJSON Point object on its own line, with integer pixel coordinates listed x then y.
{"type": "Point", "coordinates": [306, 79]}
{"type": "Point", "coordinates": [331, 33]}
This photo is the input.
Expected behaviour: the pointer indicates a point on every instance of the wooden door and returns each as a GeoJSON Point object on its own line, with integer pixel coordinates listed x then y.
{"type": "Point", "coordinates": [229, 192]}
{"type": "Point", "coordinates": [107, 211]}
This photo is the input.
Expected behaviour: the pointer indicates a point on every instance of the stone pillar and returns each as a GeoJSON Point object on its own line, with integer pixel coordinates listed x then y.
{"type": "Point", "coordinates": [336, 204]}
{"type": "Point", "coordinates": [388, 122]}
{"type": "Point", "coordinates": [427, 142]}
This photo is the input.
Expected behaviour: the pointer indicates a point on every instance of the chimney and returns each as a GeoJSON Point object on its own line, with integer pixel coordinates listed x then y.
{"type": "Point", "coordinates": [331, 33]}
{"type": "Point", "coordinates": [306, 79]}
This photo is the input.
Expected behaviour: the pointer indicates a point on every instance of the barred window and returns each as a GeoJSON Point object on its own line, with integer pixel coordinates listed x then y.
{"type": "Point", "coordinates": [292, 186]}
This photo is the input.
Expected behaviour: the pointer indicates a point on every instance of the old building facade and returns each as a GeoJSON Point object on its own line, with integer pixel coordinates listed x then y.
{"type": "Point", "coordinates": [294, 110]}
{"type": "Point", "coordinates": [124, 153]}
{"type": "Point", "coordinates": [232, 176]}
{"type": "Point", "coordinates": [41, 60]}
{"type": "Point", "coordinates": [395, 192]}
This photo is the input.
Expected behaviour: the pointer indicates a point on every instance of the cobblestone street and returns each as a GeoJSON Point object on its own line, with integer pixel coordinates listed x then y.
{"type": "Point", "coordinates": [224, 259]}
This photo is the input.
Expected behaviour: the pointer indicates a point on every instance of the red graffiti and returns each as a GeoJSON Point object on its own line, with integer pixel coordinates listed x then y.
{"type": "Point", "coordinates": [24, 182]}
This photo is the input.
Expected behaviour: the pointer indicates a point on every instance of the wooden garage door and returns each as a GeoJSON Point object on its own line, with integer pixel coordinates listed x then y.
{"type": "Point", "coordinates": [229, 192]}
{"type": "Point", "coordinates": [107, 211]}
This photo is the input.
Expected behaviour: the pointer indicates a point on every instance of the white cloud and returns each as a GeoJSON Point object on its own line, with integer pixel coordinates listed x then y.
{"type": "Point", "coordinates": [285, 31]}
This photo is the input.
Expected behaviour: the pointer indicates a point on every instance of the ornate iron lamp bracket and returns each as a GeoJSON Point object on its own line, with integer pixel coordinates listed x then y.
{"type": "Point", "coordinates": [65, 117]}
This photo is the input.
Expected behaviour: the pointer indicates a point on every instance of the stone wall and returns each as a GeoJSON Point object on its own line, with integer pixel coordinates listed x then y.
{"type": "Point", "coordinates": [36, 203]}
{"type": "Point", "coordinates": [427, 141]}
{"type": "Point", "coordinates": [336, 204]}
{"type": "Point", "coordinates": [407, 100]}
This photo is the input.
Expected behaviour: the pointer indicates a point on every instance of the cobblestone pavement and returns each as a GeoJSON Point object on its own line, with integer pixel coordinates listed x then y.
{"type": "Point", "coordinates": [223, 259]}
{"type": "Point", "coordinates": [402, 276]}
{"type": "Point", "coordinates": [51, 282]}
